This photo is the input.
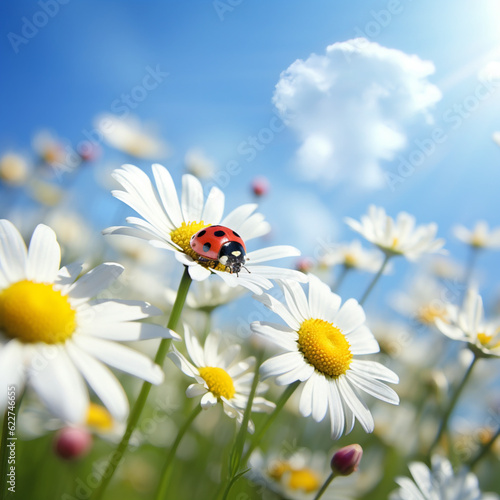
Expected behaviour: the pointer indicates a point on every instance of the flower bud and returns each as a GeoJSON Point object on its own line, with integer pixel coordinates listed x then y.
{"type": "Point", "coordinates": [71, 443]}
{"type": "Point", "coordinates": [346, 460]}
{"type": "Point", "coordinates": [260, 186]}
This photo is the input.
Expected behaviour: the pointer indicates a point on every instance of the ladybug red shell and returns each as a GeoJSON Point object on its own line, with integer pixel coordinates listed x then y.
{"type": "Point", "coordinates": [220, 244]}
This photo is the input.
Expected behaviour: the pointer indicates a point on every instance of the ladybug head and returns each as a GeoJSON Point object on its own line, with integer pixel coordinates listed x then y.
{"type": "Point", "coordinates": [232, 255]}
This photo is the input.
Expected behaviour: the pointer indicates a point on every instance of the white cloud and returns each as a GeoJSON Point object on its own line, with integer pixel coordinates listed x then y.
{"type": "Point", "coordinates": [351, 109]}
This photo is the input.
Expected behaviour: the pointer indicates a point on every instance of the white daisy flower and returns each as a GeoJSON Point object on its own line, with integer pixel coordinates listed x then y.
{"type": "Point", "coordinates": [52, 333]}
{"type": "Point", "coordinates": [439, 482]}
{"type": "Point", "coordinates": [423, 303]}
{"type": "Point", "coordinates": [35, 421]}
{"type": "Point", "coordinates": [321, 342]}
{"type": "Point", "coordinates": [352, 256]}
{"type": "Point", "coordinates": [397, 237]}
{"type": "Point", "coordinates": [220, 377]}
{"type": "Point", "coordinates": [480, 236]}
{"type": "Point", "coordinates": [198, 164]}
{"type": "Point", "coordinates": [467, 324]}
{"type": "Point", "coordinates": [299, 474]}
{"type": "Point", "coordinates": [14, 169]}
{"type": "Point", "coordinates": [169, 223]}
{"type": "Point", "coordinates": [131, 136]}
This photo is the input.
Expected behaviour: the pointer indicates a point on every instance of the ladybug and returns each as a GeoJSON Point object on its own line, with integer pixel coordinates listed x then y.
{"type": "Point", "coordinates": [220, 244]}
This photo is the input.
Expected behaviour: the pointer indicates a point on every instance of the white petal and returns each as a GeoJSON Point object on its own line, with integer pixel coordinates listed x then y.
{"type": "Point", "coordinates": [252, 282]}
{"type": "Point", "coordinates": [12, 369]}
{"type": "Point", "coordinates": [301, 372]}
{"type": "Point", "coordinates": [296, 300]}
{"type": "Point", "coordinates": [320, 398]}
{"type": "Point", "coordinates": [67, 275]}
{"type": "Point", "coordinates": [182, 363]}
{"type": "Point", "coordinates": [193, 347]}
{"type": "Point", "coordinates": [44, 255]}
{"type": "Point", "coordinates": [362, 341]}
{"type": "Point", "coordinates": [96, 280]}
{"type": "Point", "coordinates": [210, 349]}
{"type": "Point", "coordinates": [238, 216]}
{"type": "Point", "coordinates": [323, 304]}
{"type": "Point", "coordinates": [283, 363]}
{"type": "Point", "coordinates": [356, 405]}
{"type": "Point", "coordinates": [121, 357]}
{"type": "Point", "coordinates": [208, 400]}
{"type": "Point", "coordinates": [61, 387]}
{"type": "Point", "coordinates": [112, 311]}
{"type": "Point", "coordinates": [192, 198]}
{"type": "Point", "coordinates": [199, 273]}
{"type": "Point", "coordinates": [214, 207]}
{"type": "Point", "coordinates": [350, 316]}
{"type": "Point", "coordinates": [195, 390]}
{"type": "Point", "coordinates": [277, 307]}
{"type": "Point", "coordinates": [128, 332]}
{"type": "Point", "coordinates": [306, 397]}
{"type": "Point", "coordinates": [168, 194]}
{"type": "Point", "coordinates": [283, 336]}
{"type": "Point", "coordinates": [374, 369]}
{"type": "Point", "coordinates": [423, 477]}
{"type": "Point", "coordinates": [272, 253]}
{"type": "Point", "coordinates": [335, 407]}
{"type": "Point", "coordinates": [141, 196]}
{"type": "Point", "coordinates": [374, 387]}
{"type": "Point", "coordinates": [102, 381]}
{"type": "Point", "coordinates": [13, 254]}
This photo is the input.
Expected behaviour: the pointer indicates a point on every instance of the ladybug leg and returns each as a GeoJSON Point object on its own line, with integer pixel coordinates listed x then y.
{"type": "Point", "coordinates": [204, 260]}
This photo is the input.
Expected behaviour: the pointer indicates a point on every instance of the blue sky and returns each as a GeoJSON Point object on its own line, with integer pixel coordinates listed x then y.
{"type": "Point", "coordinates": [224, 60]}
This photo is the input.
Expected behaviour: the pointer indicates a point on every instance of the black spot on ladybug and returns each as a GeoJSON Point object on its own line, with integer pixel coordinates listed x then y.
{"type": "Point", "coordinates": [236, 234]}
{"type": "Point", "coordinates": [206, 247]}
{"type": "Point", "coordinates": [201, 233]}
{"type": "Point", "coordinates": [219, 234]}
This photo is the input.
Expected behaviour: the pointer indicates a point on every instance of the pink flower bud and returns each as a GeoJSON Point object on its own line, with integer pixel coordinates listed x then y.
{"type": "Point", "coordinates": [71, 443]}
{"type": "Point", "coordinates": [304, 264]}
{"type": "Point", "coordinates": [346, 460]}
{"type": "Point", "coordinates": [260, 186]}
{"type": "Point", "coordinates": [89, 151]}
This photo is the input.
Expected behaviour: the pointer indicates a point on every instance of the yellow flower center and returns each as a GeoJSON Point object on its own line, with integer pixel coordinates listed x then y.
{"type": "Point", "coordinates": [219, 382]}
{"type": "Point", "coordinates": [430, 313]}
{"type": "Point", "coordinates": [277, 469]}
{"type": "Point", "coordinates": [477, 241]}
{"type": "Point", "coordinates": [99, 418]}
{"type": "Point", "coordinates": [350, 260]}
{"type": "Point", "coordinates": [325, 347]}
{"type": "Point", "coordinates": [35, 312]}
{"type": "Point", "coordinates": [486, 340]}
{"type": "Point", "coordinates": [304, 480]}
{"type": "Point", "coordinates": [182, 236]}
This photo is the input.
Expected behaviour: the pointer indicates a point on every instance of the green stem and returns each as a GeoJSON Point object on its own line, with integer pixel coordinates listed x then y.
{"type": "Point", "coordinates": [341, 277]}
{"type": "Point", "coordinates": [323, 488]}
{"type": "Point", "coordinates": [451, 405]}
{"type": "Point", "coordinates": [375, 279]}
{"type": "Point", "coordinates": [136, 411]}
{"type": "Point", "coordinates": [165, 474]}
{"type": "Point", "coordinates": [260, 434]}
{"type": "Point", "coordinates": [237, 451]}
{"type": "Point", "coordinates": [484, 450]}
